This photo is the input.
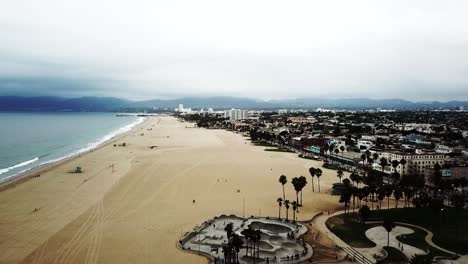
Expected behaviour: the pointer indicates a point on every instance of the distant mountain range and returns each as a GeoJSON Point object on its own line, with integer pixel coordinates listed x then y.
{"type": "Point", "coordinates": [107, 104]}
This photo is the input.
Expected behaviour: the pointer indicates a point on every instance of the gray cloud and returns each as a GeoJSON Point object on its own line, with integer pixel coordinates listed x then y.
{"type": "Point", "coordinates": [268, 49]}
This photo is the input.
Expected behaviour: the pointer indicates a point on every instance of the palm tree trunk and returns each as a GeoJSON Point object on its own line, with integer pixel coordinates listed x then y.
{"type": "Point", "coordinates": [313, 184]}
{"type": "Point", "coordinates": [284, 196]}
{"type": "Point", "coordinates": [318, 184]}
{"type": "Point", "coordinates": [279, 212]}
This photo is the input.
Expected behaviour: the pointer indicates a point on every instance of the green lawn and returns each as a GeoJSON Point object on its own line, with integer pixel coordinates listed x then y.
{"type": "Point", "coordinates": [450, 228]}
{"type": "Point", "coordinates": [394, 256]}
{"type": "Point", "coordinates": [350, 230]}
{"type": "Point", "coordinates": [418, 239]}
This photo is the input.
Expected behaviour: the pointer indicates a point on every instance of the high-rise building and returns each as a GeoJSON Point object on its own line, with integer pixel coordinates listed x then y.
{"type": "Point", "coordinates": [236, 114]}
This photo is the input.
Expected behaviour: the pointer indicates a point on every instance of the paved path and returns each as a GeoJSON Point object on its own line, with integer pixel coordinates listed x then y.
{"type": "Point", "coordinates": [428, 237]}
{"type": "Point", "coordinates": [378, 235]}
{"type": "Point", "coordinates": [319, 223]}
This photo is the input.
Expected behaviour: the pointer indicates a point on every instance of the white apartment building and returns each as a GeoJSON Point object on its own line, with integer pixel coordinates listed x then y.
{"type": "Point", "coordinates": [364, 145]}
{"type": "Point", "coordinates": [416, 163]}
{"type": "Point", "coordinates": [236, 114]}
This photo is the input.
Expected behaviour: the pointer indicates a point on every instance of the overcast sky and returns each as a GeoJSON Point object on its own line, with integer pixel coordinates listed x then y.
{"type": "Point", "coordinates": [415, 50]}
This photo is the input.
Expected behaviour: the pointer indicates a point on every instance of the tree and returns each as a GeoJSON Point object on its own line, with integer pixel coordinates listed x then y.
{"type": "Point", "coordinates": [345, 197]}
{"type": "Point", "coordinates": [354, 177]}
{"type": "Point", "coordinates": [303, 183]}
{"type": "Point", "coordinates": [397, 193]}
{"type": "Point", "coordinates": [228, 250]}
{"type": "Point", "coordinates": [458, 201]}
{"type": "Point", "coordinates": [339, 174]}
{"type": "Point", "coordinates": [380, 195]}
{"type": "Point", "coordinates": [403, 163]}
{"type": "Point", "coordinates": [294, 206]}
{"type": "Point", "coordinates": [364, 213]}
{"type": "Point", "coordinates": [312, 171]}
{"type": "Point", "coordinates": [283, 180]}
{"type": "Point", "coordinates": [375, 155]}
{"type": "Point", "coordinates": [237, 243]}
{"type": "Point", "coordinates": [342, 148]}
{"type": "Point", "coordinates": [388, 193]}
{"type": "Point", "coordinates": [421, 259]}
{"type": "Point", "coordinates": [296, 182]}
{"type": "Point", "coordinates": [383, 163]}
{"type": "Point", "coordinates": [286, 204]}
{"type": "Point", "coordinates": [247, 234]}
{"type": "Point", "coordinates": [280, 203]}
{"type": "Point", "coordinates": [318, 173]}
{"type": "Point", "coordinates": [388, 224]}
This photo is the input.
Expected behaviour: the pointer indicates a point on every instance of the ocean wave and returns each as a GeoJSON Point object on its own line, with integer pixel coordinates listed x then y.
{"type": "Point", "coordinates": [19, 165]}
{"type": "Point", "coordinates": [104, 139]}
{"type": "Point", "coordinates": [89, 147]}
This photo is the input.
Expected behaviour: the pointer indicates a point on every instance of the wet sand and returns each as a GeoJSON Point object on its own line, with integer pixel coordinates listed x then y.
{"type": "Point", "coordinates": [136, 212]}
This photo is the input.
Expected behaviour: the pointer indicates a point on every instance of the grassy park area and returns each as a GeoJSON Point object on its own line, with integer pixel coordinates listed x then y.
{"type": "Point", "coordinates": [350, 230]}
{"type": "Point", "coordinates": [449, 228]}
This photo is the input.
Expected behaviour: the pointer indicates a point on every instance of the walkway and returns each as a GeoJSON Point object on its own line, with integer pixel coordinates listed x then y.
{"type": "Point", "coordinates": [428, 237]}
{"type": "Point", "coordinates": [366, 255]}
{"type": "Point", "coordinates": [378, 235]}
{"type": "Point", "coordinates": [361, 256]}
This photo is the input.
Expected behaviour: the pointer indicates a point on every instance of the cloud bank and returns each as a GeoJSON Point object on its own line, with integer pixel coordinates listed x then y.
{"type": "Point", "coordinates": [415, 50]}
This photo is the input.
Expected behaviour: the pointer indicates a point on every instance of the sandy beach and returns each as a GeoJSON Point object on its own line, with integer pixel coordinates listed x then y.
{"type": "Point", "coordinates": [136, 211]}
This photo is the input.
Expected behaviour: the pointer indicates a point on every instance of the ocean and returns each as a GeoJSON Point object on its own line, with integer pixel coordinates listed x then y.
{"type": "Point", "coordinates": [29, 140]}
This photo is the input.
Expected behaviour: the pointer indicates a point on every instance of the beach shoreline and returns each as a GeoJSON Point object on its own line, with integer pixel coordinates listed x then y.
{"type": "Point", "coordinates": [21, 177]}
{"type": "Point", "coordinates": [168, 179]}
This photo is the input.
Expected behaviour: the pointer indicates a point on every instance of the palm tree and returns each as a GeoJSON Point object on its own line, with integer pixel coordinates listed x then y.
{"type": "Point", "coordinates": [363, 158]}
{"type": "Point", "coordinates": [312, 172]}
{"type": "Point", "coordinates": [283, 180]}
{"type": "Point", "coordinates": [339, 174]}
{"type": "Point", "coordinates": [318, 173]}
{"type": "Point", "coordinates": [397, 193]}
{"type": "Point", "coordinates": [388, 224]}
{"type": "Point", "coordinates": [342, 148]}
{"type": "Point", "coordinates": [303, 181]}
{"type": "Point", "coordinates": [354, 177]}
{"type": "Point", "coordinates": [380, 196]}
{"type": "Point", "coordinates": [294, 205]}
{"type": "Point", "coordinates": [388, 193]}
{"type": "Point", "coordinates": [364, 213]}
{"type": "Point", "coordinates": [286, 204]}
{"type": "Point", "coordinates": [375, 155]}
{"type": "Point", "coordinates": [395, 164]}
{"type": "Point", "coordinates": [383, 163]}
{"type": "Point", "coordinates": [237, 243]}
{"type": "Point", "coordinates": [296, 182]}
{"type": "Point", "coordinates": [257, 234]}
{"type": "Point", "coordinates": [345, 197]}
{"type": "Point", "coordinates": [280, 203]}
{"type": "Point", "coordinates": [403, 163]}
{"type": "Point", "coordinates": [246, 233]}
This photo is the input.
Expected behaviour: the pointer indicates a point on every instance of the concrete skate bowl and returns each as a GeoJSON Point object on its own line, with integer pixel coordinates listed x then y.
{"type": "Point", "coordinates": [276, 239]}
{"type": "Point", "coordinates": [291, 246]}
{"type": "Point", "coordinates": [273, 228]}
{"type": "Point", "coordinates": [264, 245]}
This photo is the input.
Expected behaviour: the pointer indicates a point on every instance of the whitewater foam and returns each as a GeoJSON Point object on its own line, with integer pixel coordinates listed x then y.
{"type": "Point", "coordinates": [19, 165]}
{"type": "Point", "coordinates": [87, 148]}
